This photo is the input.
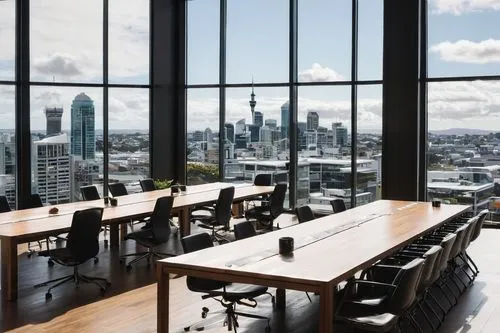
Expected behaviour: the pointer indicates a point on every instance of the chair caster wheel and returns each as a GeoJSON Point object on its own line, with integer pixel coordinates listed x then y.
{"type": "Point", "coordinates": [129, 268]}
{"type": "Point", "coordinates": [48, 296]}
{"type": "Point", "coordinates": [50, 263]}
{"type": "Point", "coordinates": [186, 329]}
{"type": "Point", "coordinates": [204, 311]}
{"type": "Point", "coordinates": [96, 260]}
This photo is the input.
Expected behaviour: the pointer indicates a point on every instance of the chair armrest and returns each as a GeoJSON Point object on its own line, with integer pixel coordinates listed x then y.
{"type": "Point", "coordinates": [382, 273]}
{"type": "Point", "coordinates": [357, 288]}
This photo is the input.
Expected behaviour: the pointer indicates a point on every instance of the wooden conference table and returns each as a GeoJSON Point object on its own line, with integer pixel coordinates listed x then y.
{"type": "Point", "coordinates": [328, 250]}
{"type": "Point", "coordinates": [22, 226]}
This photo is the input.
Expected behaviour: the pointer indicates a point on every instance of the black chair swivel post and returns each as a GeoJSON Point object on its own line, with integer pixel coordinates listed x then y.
{"type": "Point", "coordinates": [155, 236]}
{"type": "Point", "coordinates": [4, 204]}
{"type": "Point", "coordinates": [82, 245]}
{"type": "Point", "coordinates": [147, 185]}
{"type": "Point", "coordinates": [338, 205]}
{"type": "Point", "coordinates": [266, 214]}
{"type": "Point", "coordinates": [227, 294]}
{"type": "Point", "coordinates": [89, 193]}
{"type": "Point", "coordinates": [304, 214]}
{"type": "Point", "coordinates": [219, 216]}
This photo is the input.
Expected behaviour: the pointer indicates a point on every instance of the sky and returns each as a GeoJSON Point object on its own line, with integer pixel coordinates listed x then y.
{"type": "Point", "coordinates": [66, 46]}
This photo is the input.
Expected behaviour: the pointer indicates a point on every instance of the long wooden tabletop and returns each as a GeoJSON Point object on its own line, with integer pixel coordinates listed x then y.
{"type": "Point", "coordinates": [327, 251]}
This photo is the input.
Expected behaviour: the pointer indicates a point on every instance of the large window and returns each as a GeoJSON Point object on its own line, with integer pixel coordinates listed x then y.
{"type": "Point", "coordinates": [258, 109]}
{"type": "Point", "coordinates": [7, 40]}
{"type": "Point", "coordinates": [7, 145]}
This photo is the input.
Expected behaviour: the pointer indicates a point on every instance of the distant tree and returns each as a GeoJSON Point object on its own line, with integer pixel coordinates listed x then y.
{"type": "Point", "coordinates": [435, 158]}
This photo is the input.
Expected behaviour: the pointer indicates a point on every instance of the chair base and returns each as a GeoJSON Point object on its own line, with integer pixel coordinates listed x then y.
{"type": "Point", "coordinates": [144, 255]}
{"type": "Point", "coordinates": [77, 278]}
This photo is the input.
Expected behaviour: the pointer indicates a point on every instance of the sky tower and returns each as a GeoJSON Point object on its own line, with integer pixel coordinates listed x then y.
{"type": "Point", "coordinates": [252, 103]}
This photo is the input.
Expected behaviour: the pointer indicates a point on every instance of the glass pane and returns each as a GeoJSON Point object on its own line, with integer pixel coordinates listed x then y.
{"type": "Point", "coordinates": [66, 40]}
{"type": "Point", "coordinates": [7, 39]}
{"type": "Point", "coordinates": [8, 145]}
{"type": "Point", "coordinates": [369, 141]}
{"type": "Point", "coordinates": [129, 41]}
{"type": "Point", "coordinates": [257, 134]}
{"type": "Point", "coordinates": [202, 136]}
{"type": "Point", "coordinates": [128, 139]}
{"type": "Point", "coordinates": [324, 42]}
{"type": "Point", "coordinates": [464, 130]}
{"type": "Point", "coordinates": [464, 38]}
{"type": "Point", "coordinates": [66, 131]}
{"type": "Point", "coordinates": [257, 41]}
{"type": "Point", "coordinates": [324, 143]}
{"type": "Point", "coordinates": [370, 39]}
{"type": "Point", "coordinates": [203, 41]}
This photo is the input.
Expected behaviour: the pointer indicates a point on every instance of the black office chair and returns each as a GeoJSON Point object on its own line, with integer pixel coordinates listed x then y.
{"type": "Point", "coordinates": [158, 234]}
{"type": "Point", "coordinates": [244, 230]}
{"type": "Point", "coordinates": [147, 185]}
{"type": "Point", "coordinates": [338, 205]}
{"type": "Point", "coordinates": [90, 193]}
{"type": "Point", "coordinates": [117, 189]}
{"type": "Point", "coordinates": [4, 204]}
{"type": "Point", "coordinates": [35, 201]}
{"type": "Point", "coordinates": [261, 179]}
{"type": "Point", "coordinates": [219, 216]}
{"type": "Point", "coordinates": [227, 294]}
{"type": "Point", "coordinates": [377, 306]}
{"type": "Point", "coordinates": [266, 214]}
{"type": "Point", "coordinates": [304, 214]}
{"type": "Point", "coordinates": [82, 245]}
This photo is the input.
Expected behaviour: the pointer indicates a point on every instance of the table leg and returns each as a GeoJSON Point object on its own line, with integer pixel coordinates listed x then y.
{"type": "Point", "coordinates": [280, 299]}
{"type": "Point", "coordinates": [184, 223]}
{"type": "Point", "coordinates": [9, 268]}
{"type": "Point", "coordinates": [123, 231]}
{"type": "Point", "coordinates": [326, 309]}
{"type": "Point", "coordinates": [238, 209]}
{"type": "Point", "coordinates": [162, 299]}
{"type": "Point", "coordinates": [114, 235]}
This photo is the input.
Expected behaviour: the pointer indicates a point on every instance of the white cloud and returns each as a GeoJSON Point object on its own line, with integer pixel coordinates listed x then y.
{"type": "Point", "coordinates": [58, 64]}
{"type": "Point", "coordinates": [459, 7]}
{"type": "Point", "coordinates": [318, 73]}
{"type": "Point", "coordinates": [466, 51]}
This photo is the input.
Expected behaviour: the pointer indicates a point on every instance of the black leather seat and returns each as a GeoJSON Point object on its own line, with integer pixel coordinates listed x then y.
{"type": "Point", "coordinates": [266, 213]}
{"type": "Point", "coordinates": [82, 245]}
{"type": "Point", "coordinates": [304, 214]}
{"type": "Point", "coordinates": [4, 204]}
{"type": "Point", "coordinates": [244, 230]}
{"type": "Point", "coordinates": [147, 185]}
{"type": "Point", "coordinates": [229, 294]}
{"type": "Point", "coordinates": [338, 205]}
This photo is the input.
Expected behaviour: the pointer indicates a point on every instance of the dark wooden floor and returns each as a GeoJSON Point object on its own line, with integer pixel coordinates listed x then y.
{"type": "Point", "coordinates": [130, 304]}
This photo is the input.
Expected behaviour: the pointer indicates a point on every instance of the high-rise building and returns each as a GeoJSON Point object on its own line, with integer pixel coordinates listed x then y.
{"type": "Point", "coordinates": [252, 103]}
{"type": "Point", "coordinates": [82, 173]}
{"type": "Point", "coordinates": [83, 127]}
{"type": "Point", "coordinates": [266, 134]}
{"type": "Point", "coordinates": [52, 170]}
{"type": "Point", "coordinates": [7, 169]}
{"type": "Point", "coordinates": [240, 139]}
{"type": "Point", "coordinates": [208, 137]}
{"type": "Point", "coordinates": [53, 116]}
{"type": "Point", "coordinates": [229, 132]}
{"type": "Point", "coordinates": [312, 121]}
{"type": "Point", "coordinates": [340, 134]}
{"type": "Point", "coordinates": [258, 119]}
{"type": "Point", "coordinates": [271, 123]}
{"type": "Point", "coordinates": [254, 131]}
{"type": "Point", "coordinates": [198, 136]}
{"type": "Point", "coordinates": [285, 119]}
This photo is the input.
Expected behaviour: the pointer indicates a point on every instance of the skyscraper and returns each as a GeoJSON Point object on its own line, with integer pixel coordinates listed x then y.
{"type": "Point", "coordinates": [258, 119]}
{"type": "Point", "coordinates": [340, 134]}
{"type": "Point", "coordinates": [229, 131]}
{"type": "Point", "coordinates": [285, 119]}
{"type": "Point", "coordinates": [83, 127]}
{"type": "Point", "coordinates": [53, 116]}
{"type": "Point", "coordinates": [312, 121]}
{"type": "Point", "coordinates": [271, 123]}
{"type": "Point", "coordinates": [252, 103]}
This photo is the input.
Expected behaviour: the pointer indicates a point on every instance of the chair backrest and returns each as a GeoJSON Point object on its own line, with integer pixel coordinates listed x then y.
{"type": "Point", "coordinates": [263, 179]}
{"type": "Point", "coordinates": [90, 192]}
{"type": "Point", "coordinates": [304, 214]}
{"type": "Point", "coordinates": [470, 231]}
{"type": "Point", "coordinates": [34, 201]}
{"type": "Point", "coordinates": [160, 218]}
{"type": "Point", "coordinates": [4, 204]}
{"type": "Point", "coordinates": [338, 205]}
{"type": "Point", "coordinates": [83, 236]}
{"type": "Point", "coordinates": [147, 185]}
{"type": "Point", "coordinates": [457, 245]}
{"type": "Point", "coordinates": [277, 200]}
{"type": "Point", "coordinates": [194, 243]}
{"type": "Point", "coordinates": [223, 206]}
{"type": "Point", "coordinates": [117, 189]}
{"type": "Point", "coordinates": [479, 224]}
{"type": "Point", "coordinates": [430, 272]}
{"type": "Point", "coordinates": [406, 283]}
{"type": "Point", "coordinates": [447, 244]}
{"type": "Point", "coordinates": [244, 230]}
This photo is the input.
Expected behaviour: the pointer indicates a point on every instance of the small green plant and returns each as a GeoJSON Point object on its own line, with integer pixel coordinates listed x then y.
{"type": "Point", "coordinates": [163, 183]}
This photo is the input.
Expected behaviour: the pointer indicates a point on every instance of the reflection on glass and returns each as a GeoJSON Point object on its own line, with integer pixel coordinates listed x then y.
{"type": "Point", "coordinates": [370, 39]}
{"type": "Point", "coordinates": [128, 137]}
{"type": "Point", "coordinates": [66, 132]}
{"type": "Point", "coordinates": [203, 41]}
{"type": "Point", "coordinates": [7, 145]}
{"type": "Point", "coordinates": [66, 40]}
{"type": "Point", "coordinates": [462, 156]}
{"type": "Point", "coordinates": [324, 40]}
{"type": "Point", "coordinates": [7, 39]}
{"type": "Point", "coordinates": [202, 136]}
{"type": "Point", "coordinates": [257, 41]}
{"type": "Point", "coordinates": [369, 142]}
